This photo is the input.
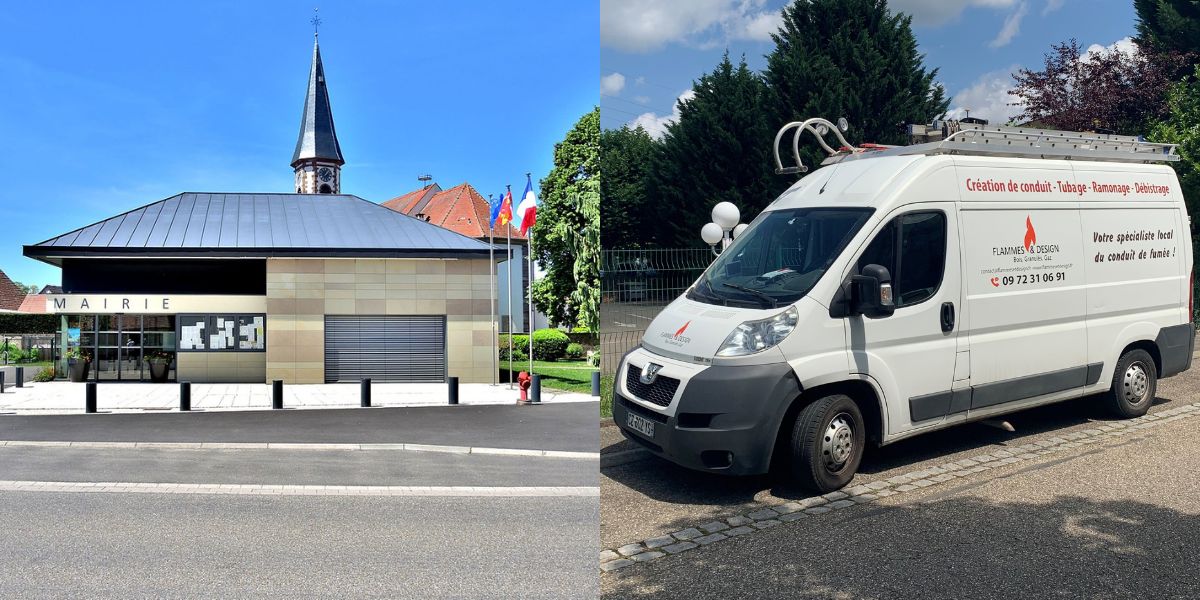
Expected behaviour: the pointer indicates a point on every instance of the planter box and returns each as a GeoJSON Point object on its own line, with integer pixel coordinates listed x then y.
{"type": "Point", "coordinates": [77, 370]}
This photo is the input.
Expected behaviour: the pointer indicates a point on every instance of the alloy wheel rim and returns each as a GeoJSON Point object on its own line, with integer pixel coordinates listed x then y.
{"type": "Point", "coordinates": [837, 442]}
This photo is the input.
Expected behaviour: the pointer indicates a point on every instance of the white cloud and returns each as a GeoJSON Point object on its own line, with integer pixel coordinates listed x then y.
{"type": "Point", "coordinates": [1011, 27]}
{"type": "Point", "coordinates": [641, 80]}
{"type": "Point", "coordinates": [987, 98]}
{"type": "Point", "coordinates": [612, 84]}
{"type": "Point", "coordinates": [1124, 45]}
{"type": "Point", "coordinates": [933, 13]}
{"type": "Point", "coordinates": [646, 25]}
{"type": "Point", "coordinates": [656, 125]}
{"type": "Point", "coordinates": [1052, 5]}
{"type": "Point", "coordinates": [642, 99]}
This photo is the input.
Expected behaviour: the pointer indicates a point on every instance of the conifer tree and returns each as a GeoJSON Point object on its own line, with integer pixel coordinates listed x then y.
{"type": "Point", "coordinates": [718, 150]}
{"type": "Point", "coordinates": [854, 59]}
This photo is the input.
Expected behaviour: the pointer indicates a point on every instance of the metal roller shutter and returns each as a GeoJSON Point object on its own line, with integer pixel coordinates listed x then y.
{"type": "Point", "coordinates": [386, 348]}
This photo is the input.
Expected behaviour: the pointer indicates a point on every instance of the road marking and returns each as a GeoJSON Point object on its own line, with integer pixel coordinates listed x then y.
{"type": "Point", "coordinates": [299, 490]}
{"type": "Point", "coordinates": [306, 447]}
{"type": "Point", "coordinates": [765, 515]}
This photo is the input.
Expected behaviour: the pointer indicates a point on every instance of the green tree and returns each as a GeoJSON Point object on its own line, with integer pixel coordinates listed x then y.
{"type": "Point", "coordinates": [853, 59]}
{"type": "Point", "coordinates": [567, 235]}
{"type": "Point", "coordinates": [1168, 26]}
{"type": "Point", "coordinates": [627, 210]}
{"type": "Point", "coordinates": [718, 150]}
{"type": "Point", "coordinates": [1182, 127]}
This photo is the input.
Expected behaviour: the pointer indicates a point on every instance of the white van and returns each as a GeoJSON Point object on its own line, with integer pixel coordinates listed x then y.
{"type": "Point", "coordinates": [907, 289]}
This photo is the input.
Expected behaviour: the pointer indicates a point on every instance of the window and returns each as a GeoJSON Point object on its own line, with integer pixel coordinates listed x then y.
{"type": "Point", "coordinates": [222, 332]}
{"type": "Point", "coordinates": [919, 240]}
{"type": "Point", "coordinates": [325, 189]}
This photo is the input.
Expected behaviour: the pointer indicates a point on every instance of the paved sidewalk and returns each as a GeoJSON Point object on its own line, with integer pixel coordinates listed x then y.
{"type": "Point", "coordinates": [61, 397]}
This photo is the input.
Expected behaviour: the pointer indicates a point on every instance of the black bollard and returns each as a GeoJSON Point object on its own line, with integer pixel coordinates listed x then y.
{"type": "Point", "coordinates": [452, 383]}
{"type": "Point", "coordinates": [596, 383]}
{"type": "Point", "coordinates": [89, 403]}
{"type": "Point", "coordinates": [20, 376]}
{"type": "Point", "coordinates": [277, 394]}
{"type": "Point", "coordinates": [185, 396]}
{"type": "Point", "coordinates": [1, 382]}
{"type": "Point", "coordinates": [364, 395]}
{"type": "Point", "coordinates": [535, 390]}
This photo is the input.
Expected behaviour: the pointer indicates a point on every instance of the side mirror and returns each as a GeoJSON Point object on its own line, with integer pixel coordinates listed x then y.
{"type": "Point", "coordinates": [871, 292]}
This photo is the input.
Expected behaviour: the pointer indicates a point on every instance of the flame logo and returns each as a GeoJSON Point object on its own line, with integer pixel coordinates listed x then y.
{"type": "Point", "coordinates": [1030, 234]}
{"type": "Point", "coordinates": [682, 329]}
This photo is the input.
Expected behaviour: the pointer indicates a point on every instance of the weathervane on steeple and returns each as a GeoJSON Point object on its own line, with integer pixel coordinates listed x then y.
{"type": "Point", "coordinates": [316, 22]}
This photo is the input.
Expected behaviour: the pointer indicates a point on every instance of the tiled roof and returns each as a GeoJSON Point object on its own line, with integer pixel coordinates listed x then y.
{"type": "Point", "coordinates": [412, 200]}
{"type": "Point", "coordinates": [11, 295]}
{"type": "Point", "coordinates": [460, 209]}
{"type": "Point", "coordinates": [33, 303]}
{"type": "Point", "coordinates": [192, 224]}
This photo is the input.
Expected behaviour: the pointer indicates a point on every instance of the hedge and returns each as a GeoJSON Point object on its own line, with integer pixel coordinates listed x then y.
{"type": "Point", "coordinates": [26, 323]}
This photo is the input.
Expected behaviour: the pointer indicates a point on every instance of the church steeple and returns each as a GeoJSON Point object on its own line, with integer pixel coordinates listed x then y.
{"type": "Point", "coordinates": [318, 157]}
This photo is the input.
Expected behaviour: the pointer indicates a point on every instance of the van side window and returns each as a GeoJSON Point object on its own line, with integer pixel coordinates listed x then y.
{"type": "Point", "coordinates": [919, 241]}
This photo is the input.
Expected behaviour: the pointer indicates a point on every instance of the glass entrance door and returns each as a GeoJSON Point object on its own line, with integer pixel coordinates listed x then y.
{"type": "Point", "coordinates": [108, 349]}
{"type": "Point", "coordinates": [131, 348]}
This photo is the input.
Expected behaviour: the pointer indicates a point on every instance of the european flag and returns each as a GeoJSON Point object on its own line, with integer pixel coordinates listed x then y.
{"type": "Point", "coordinates": [494, 205]}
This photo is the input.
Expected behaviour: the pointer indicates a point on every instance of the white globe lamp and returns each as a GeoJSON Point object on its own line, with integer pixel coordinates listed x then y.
{"type": "Point", "coordinates": [726, 215]}
{"type": "Point", "coordinates": [711, 233]}
{"type": "Point", "coordinates": [739, 229]}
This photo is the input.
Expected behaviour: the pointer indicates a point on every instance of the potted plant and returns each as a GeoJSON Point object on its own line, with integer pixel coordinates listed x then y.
{"type": "Point", "coordinates": [77, 365]}
{"type": "Point", "coordinates": [160, 365]}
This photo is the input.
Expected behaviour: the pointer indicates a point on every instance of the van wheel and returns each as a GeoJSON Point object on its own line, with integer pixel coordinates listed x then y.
{"type": "Point", "coordinates": [1134, 384]}
{"type": "Point", "coordinates": [827, 443]}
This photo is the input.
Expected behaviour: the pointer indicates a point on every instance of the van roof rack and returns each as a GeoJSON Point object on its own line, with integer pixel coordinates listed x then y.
{"type": "Point", "coordinates": [980, 139]}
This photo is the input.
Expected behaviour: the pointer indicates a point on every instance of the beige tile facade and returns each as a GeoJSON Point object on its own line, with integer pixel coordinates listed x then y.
{"type": "Point", "coordinates": [300, 292]}
{"type": "Point", "coordinates": [221, 367]}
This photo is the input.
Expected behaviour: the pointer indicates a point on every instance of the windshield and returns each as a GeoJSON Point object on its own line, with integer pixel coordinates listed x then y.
{"type": "Point", "coordinates": [780, 257]}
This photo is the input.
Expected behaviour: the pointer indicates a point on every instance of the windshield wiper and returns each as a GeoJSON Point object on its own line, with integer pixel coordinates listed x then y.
{"type": "Point", "coordinates": [771, 303]}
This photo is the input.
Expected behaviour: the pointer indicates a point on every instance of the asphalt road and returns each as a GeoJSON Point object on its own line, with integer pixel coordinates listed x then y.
{"type": "Point", "coordinates": [198, 546]}
{"type": "Point", "coordinates": [567, 426]}
{"type": "Point", "coordinates": [1114, 520]}
{"type": "Point", "coordinates": [114, 543]}
{"type": "Point", "coordinates": [283, 467]}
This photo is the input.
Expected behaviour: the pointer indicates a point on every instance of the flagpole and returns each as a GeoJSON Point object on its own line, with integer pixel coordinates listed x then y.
{"type": "Point", "coordinates": [508, 233]}
{"type": "Point", "coordinates": [530, 240]}
{"type": "Point", "coordinates": [492, 291]}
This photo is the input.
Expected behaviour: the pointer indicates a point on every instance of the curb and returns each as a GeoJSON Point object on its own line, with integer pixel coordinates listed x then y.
{"type": "Point", "coordinates": [243, 489]}
{"type": "Point", "coordinates": [302, 447]}
{"type": "Point", "coordinates": [768, 515]}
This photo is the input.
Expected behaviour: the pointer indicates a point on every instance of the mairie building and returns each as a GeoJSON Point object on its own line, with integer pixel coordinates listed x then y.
{"type": "Point", "coordinates": [314, 286]}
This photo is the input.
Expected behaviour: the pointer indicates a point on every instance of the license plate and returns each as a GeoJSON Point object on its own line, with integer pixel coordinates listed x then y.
{"type": "Point", "coordinates": [640, 424]}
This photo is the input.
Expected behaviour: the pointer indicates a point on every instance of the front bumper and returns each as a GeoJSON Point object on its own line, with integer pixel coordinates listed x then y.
{"type": "Point", "coordinates": [722, 419]}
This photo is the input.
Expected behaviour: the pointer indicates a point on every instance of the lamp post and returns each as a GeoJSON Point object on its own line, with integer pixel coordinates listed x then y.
{"type": "Point", "coordinates": [724, 227]}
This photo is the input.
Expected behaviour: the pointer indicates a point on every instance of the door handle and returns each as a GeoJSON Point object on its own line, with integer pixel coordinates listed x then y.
{"type": "Point", "coordinates": [947, 316]}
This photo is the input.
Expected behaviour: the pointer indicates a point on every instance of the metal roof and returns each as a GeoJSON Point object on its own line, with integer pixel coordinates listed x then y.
{"type": "Point", "coordinates": [318, 139]}
{"type": "Point", "coordinates": [259, 225]}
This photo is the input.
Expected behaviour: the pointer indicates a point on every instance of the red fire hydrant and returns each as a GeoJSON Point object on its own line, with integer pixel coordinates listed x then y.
{"type": "Point", "coordinates": [524, 381]}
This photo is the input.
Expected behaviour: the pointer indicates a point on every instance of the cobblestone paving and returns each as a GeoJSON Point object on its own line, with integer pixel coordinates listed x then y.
{"type": "Point", "coordinates": [778, 514]}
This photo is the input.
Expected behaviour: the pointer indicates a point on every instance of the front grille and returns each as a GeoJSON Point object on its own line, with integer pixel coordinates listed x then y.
{"type": "Point", "coordinates": [661, 392]}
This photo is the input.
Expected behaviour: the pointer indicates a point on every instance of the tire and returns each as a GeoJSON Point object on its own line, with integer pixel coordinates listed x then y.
{"type": "Point", "coordinates": [827, 443]}
{"type": "Point", "coordinates": [1134, 384]}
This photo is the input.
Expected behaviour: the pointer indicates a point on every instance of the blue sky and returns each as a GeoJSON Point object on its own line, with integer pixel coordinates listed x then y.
{"type": "Point", "coordinates": [109, 106]}
{"type": "Point", "coordinates": [652, 50]}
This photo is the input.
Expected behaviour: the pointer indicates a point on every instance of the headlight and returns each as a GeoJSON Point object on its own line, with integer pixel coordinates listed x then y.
{"type": "Point", "coordinates": [756, 336]}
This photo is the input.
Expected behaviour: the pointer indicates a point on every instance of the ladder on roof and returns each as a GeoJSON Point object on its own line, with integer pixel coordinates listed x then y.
{"type": "Point", "coordinates": [955, 137]}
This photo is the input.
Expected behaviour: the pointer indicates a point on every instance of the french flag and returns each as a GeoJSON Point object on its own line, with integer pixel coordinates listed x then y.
{"type": "Point", "coordinates": [527, 208]}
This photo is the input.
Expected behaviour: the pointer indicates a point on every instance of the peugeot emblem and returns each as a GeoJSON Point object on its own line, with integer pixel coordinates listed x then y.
{"type": "Point", "coordinates": [650, 373]}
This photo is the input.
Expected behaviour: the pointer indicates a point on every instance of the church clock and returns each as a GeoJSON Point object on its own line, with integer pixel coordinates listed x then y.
{"type": "Point", "coordinates": [325, 174]}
